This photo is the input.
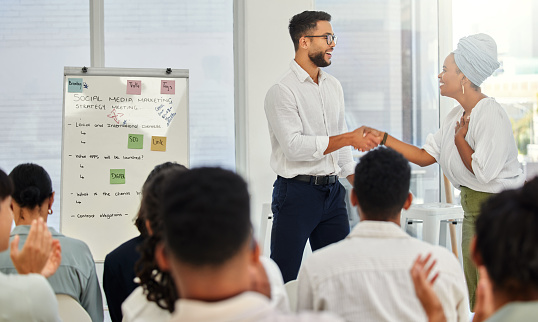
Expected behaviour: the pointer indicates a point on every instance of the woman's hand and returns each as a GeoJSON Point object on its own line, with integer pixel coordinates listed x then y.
{"type": "Point", "coordinates": [424, 289]}
{"type": "Point", "coordinates": [462, 126]}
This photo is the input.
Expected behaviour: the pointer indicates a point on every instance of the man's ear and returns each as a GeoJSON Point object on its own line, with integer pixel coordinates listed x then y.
{"type": "Point", "coordinates": [303, 42]}
{"type": "Point", "coordinates": [162, 258]}
{"type": "Point", "coordinates": [353, 198]}
{"type": "Point", "coordinates": [408, 201]}
{"type": "Point", "coordinates": [475, 256]}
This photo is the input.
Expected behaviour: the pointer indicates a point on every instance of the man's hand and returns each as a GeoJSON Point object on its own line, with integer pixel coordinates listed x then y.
{"type": "Point", "coordinates": [484, 306]}
{"type": "Point", "coordinates": [365, 138]}
{"type": "Point", "coordinates": [424, 289]}
{"type": "Point", "coordinates": [39, 254]}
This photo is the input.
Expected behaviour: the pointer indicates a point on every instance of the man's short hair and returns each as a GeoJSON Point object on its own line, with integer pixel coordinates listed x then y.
{"type": "Point", "coordinates": [507, 239]}
{"type": "Point", "coordinates": [301, 24]}
{"type": "Point", "coordinates": [206, 214]}
{"type": "Point", "coordinates": [381, 183]}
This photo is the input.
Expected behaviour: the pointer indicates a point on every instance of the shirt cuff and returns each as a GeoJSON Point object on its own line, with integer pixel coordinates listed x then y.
{"type": "Point", "coordinates": [322, 142]}
{"type": "Point", "coordinates": [348, 169]}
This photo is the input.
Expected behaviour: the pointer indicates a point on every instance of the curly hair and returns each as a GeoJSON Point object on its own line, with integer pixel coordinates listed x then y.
{"type": "Point", "coordinates": [158, 286]}
{"type": "Point", "coordinates": [507, 240]}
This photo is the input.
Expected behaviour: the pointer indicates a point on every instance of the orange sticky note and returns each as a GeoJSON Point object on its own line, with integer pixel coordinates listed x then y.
{"type": "Point", "coordinates": [158, 143]}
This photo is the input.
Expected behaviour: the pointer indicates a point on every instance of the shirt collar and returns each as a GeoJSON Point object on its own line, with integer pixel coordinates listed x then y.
{"type": "Point", "coordinates": [25, 230]}
{"type": "Point", "coordinates": [244, 304]}
{"type": "Point", "coordinates": [377, 229]}
{"type": "Point", "coordinates": [302, 75]}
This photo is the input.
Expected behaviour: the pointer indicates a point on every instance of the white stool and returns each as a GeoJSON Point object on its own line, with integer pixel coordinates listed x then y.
{"type": "Point", "coordinates": [431, 215]}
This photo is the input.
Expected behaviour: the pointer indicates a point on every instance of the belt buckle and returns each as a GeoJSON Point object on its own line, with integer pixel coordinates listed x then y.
{"type": "Point", "coordinates": [320, 180]}
{"type": "Point", "coordinates": [316, 180]}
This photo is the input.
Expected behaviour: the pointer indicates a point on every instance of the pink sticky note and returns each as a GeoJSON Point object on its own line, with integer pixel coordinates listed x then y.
{"type": "Point", "coordinates": [134, 87]}
{"type": "Point", "coordinates": [168, 87]}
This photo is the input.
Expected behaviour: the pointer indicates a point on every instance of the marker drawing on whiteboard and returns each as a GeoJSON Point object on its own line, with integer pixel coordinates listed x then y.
{"type": "Point", "coordinates": [115, 116]}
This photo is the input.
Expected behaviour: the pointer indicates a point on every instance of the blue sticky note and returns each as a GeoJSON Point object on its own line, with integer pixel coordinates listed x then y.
{"type": "Point", "coordinates": [74, 85]}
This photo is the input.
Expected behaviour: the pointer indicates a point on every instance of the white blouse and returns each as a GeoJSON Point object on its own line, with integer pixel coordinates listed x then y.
{"type": "Point", "coordinates": [494, 160]}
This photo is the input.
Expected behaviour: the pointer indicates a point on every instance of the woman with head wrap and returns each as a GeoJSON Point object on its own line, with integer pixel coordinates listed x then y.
{"type": "Point", "coordinates": [475, 145]}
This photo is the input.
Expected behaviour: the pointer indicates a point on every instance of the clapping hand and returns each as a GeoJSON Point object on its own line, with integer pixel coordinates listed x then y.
{"type": "Point", "coordinates": [424, 289]}
{"type": "Point", "coordinates": [40, 253]}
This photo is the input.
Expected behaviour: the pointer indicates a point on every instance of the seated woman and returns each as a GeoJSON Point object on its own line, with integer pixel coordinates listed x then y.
{"type": "Point", "coordinates": [27, 297]}
{"type": "Point", "coordinates": [119, 269]}
{"type": "Point", "coordinates": [154, 299]}
{"type": "Point", "coordinates": [32, 199]}
{"type": "Point", "coordinates": [505, 250]}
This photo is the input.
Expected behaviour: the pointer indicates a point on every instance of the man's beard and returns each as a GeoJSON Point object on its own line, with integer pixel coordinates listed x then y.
{"type": "Point", "coordinates": [319, 60]}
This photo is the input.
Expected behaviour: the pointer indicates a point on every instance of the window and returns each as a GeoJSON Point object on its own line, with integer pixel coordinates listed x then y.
{"type": "Point", "coordinates": [387, 61]}
{"type": "Point", "coordinates": [194, 35]}
{"type": "Point", "coordinates": [38, 40]}
{"type": "Point", "coordinates": [515, 84]}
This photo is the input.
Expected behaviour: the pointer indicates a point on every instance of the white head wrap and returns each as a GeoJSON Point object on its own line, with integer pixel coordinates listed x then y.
{"type": "Point", "coordinates": [476, 57]}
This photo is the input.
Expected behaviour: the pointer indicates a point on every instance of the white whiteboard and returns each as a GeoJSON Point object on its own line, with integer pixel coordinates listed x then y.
{"type": "Point", "coordinates": [116, 123]}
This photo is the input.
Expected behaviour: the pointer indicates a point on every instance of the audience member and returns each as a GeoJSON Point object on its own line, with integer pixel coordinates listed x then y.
{"type": "Point", "coordinates": [154, 298]}
{"type": "Point", "coordinates": [505, 249]}
{"type": "Point", "coordinates": [27, 297]}
{"type": "Point", "coordinates": [119, 269]}
{"type": "Point", "coordinates": [366, 276]}
{"type": "Point", "coordinates": [33, 197]}
{"type": "Point", "coordinates": [208, 248]}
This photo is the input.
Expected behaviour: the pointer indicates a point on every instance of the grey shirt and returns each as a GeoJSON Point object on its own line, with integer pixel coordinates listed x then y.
{"type": "Point", "coordinates": [76, 275]}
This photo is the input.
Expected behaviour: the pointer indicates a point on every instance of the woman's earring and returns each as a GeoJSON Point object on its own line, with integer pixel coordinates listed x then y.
{"type": "Point", "coordinates": [50, 211]}
{"type": "Point", "coordinates": [463, 89]}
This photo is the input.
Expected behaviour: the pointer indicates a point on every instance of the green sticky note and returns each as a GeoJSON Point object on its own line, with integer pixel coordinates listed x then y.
{"type": "Point", "coordinates": [117, 176]}
{"type": "Point", "coordinates": [74, 85]}
{"type": "Point", "coordinates": [135, 141]}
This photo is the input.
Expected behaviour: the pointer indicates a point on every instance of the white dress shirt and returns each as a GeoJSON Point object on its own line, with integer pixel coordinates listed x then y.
{"type": "Point", "coordinates": [366, 277]}
{"type": "Point", "coordinates": [302, 115]}
{"type": "Point", "coordinates": [494, 160]}
{"type": "Point", "coordinates": [27, 298]}
{"type": "Point", "coordinates": [245, 307]}
{"type": "Point", "coordinates": [137, 308]}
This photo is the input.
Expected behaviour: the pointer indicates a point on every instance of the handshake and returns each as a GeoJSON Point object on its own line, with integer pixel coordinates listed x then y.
{"type": "Point", "coordinates": [366, 138]}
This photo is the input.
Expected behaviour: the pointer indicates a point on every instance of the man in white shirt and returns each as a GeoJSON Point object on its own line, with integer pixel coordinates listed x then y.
{"type": "Point", "coordinates": [310, 147]}
{"type": "Point", "coordinates": [210, 252]}
{"type": "Point", "coordinates": [366, 276]}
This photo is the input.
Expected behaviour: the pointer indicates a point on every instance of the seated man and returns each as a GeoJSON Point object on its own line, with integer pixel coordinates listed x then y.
{"type": "Point", "coordinates": [208, 248]}
{"type": "Point", "coordinates": [366, 277]}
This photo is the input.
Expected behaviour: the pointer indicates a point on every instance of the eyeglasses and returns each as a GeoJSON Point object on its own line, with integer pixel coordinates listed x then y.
{"type": "Point", "coordinates": [330, 38]}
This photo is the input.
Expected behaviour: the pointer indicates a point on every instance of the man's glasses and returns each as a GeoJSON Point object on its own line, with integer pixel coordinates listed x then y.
{"type": "Point", "coordinates": [330, 38]}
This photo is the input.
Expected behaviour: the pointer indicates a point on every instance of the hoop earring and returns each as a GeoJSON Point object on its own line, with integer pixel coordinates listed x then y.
{"type": "Point", "coordinates": [49, 211]}
{"type": "Point", "coordinates": [463, 89]}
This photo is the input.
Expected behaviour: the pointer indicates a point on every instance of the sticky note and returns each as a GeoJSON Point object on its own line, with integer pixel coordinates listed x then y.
{"type": "Point", "coordinates": [135, 141]}
{"type": "Point", "coordinates": [134, 87]}
{"type": "Point", "coordinates": [168, 86]}
{"type": "Point", "coordinates": [158, 143]}
{"type": "Point", "coordinates": [117, 176]}
{"type": "Point", "coordinates": [74, 85]}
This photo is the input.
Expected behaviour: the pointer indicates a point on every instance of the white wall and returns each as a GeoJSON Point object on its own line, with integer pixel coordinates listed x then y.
{"type": "Point", "coordinates": [263, 52]}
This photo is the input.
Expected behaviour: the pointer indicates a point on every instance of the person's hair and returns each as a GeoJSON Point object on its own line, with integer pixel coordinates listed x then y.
{"type": "Point", "coordinates": [206, 216]}
{"type": "Point", "coordinates": [301, 24]}
{"type": "Point", "coordinates": [159, 286]}
{"type": "Point", "coordinates": [32, 185]}
{"type": "Point", "coordinates": [140, 221]}
{"type": "Point", "coordinates": [507, 240]}
{"type": "Point", "coordinates": [6, 186]}
{"type": "Point", "coordinates": [381, 184]}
